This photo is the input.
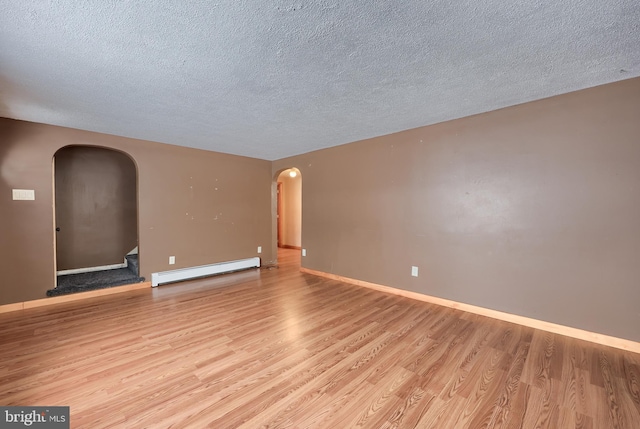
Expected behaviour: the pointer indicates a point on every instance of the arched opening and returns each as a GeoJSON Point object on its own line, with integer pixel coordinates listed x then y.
{"type": "Point", "coordinates": [96, 219]}
{"type": "Point", "coordinates": [288, 205]}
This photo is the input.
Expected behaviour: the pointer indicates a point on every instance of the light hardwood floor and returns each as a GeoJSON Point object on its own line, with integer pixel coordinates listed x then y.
{"type": "Point", "coordinates": [280, 349]}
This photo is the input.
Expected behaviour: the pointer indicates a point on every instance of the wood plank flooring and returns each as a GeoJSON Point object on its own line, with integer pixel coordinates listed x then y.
{"type": "Point", "coordinates": [279, 349]}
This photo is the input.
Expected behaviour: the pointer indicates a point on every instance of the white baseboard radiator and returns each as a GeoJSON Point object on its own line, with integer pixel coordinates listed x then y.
{"type": "Point", "coordinates": [202, 271]}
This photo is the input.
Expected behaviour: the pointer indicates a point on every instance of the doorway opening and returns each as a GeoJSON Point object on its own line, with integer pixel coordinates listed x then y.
{"type": "Point", "coordinates": [96, 219]}
{"type": "Point", "coordinates": [288, 213]}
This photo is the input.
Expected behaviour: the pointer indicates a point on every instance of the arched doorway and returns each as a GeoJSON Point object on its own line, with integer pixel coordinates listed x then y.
{"type": "Point", "coordinates": [288, 204]}
{"type": "Point", "coordinates": [95, 213]}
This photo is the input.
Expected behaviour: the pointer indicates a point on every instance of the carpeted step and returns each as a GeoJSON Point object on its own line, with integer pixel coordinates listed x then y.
{"type": "Point", "coordinates": [83, 282]}
{"type": "Point", "coordinates": [132, 264]}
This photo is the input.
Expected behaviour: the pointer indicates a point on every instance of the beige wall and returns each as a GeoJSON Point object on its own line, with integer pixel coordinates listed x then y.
{"type": "Point", "coordinates": [291, 201]}
{"type": "Point", "coordinates": [532, 210]}
{"type": "Point", "coordinates": [96, 207]}
{"type": "Point", "coordinates": [203, 207]}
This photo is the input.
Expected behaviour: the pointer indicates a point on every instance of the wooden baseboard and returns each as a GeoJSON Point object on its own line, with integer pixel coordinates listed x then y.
{"type": "Point", "coordinates": [6, 308]}
{"type": "Point", "coordinates": [72, 297]}
{"type": "Point", "coordinates": [287, 246]}
{"type": "Point", "coordinates": [619, 343]}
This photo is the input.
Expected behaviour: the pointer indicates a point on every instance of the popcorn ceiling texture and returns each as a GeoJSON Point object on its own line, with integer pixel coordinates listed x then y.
{"type": "Point", "coordinates": [270, 79]}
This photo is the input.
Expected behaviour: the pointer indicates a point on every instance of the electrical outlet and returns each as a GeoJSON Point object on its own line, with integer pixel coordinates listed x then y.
{"type": "Point", "coordinates": [414, 271]}
{"type": "Point", "coordinates": [259, 249]}
{"type": "Point", "coordinates": [304, 252]}
{"type": "Point", "coordinates": [172, 260]}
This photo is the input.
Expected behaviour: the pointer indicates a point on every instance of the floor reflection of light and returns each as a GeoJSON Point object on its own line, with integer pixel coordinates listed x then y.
{"type": "Point", "coordinates": [293, 322]}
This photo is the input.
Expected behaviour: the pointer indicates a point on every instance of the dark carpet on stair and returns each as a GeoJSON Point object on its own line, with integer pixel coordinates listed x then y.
{"type": "Point", "coordinates": [72, 283]}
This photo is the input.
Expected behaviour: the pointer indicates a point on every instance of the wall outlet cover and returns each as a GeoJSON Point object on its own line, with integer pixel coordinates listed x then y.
{"type": "Point", "coordinates": [259, 249]}
{"type": "Point", "coordinates": [414, 271]}
{"type": "Point", "coordinates": [304, 252]}
{"type": "Point", "coordinates": [172, 260]}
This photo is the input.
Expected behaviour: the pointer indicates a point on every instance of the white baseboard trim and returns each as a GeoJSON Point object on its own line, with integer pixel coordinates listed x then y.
{"type": "Point", "coordinates": [594, 337]}
{"type": "Point", "coordinates": [92, 269]}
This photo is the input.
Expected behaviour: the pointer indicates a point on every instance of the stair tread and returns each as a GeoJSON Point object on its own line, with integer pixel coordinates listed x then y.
{"type": "Point", "coordinates": [94, 280]}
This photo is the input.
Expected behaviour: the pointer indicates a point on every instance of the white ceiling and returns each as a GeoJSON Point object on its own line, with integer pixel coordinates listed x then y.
{"type": "Point", "coordinates": [270, 79]}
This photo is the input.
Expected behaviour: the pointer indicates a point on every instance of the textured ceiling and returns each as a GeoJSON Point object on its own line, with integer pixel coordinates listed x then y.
{"type": "Point", "coordinates": [269, 79]}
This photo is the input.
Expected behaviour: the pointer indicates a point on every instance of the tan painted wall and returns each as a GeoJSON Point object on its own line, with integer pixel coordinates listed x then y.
{"type": "Point", "coordinates": [532, 210]}
{"type": "Point", "coordinates": [96, 207]}
{"type": "Point", "coordinates": [291, 209]}
{"type": "Point", "coordinates": [203, 207]}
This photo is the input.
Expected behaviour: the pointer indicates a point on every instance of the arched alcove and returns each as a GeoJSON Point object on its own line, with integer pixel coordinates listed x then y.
{"type": "Point", "coordinates": [96, 219]}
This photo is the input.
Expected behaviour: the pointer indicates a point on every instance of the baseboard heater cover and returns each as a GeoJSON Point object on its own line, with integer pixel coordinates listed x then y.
{"type": "Point", "coordinates": [202, 271]}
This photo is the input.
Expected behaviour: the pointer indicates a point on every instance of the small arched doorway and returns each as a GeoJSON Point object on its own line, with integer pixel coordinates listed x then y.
{"type": "Point", "coordinates": [289, 209]}
{"type": "Point", "coordinates": [96, 215]}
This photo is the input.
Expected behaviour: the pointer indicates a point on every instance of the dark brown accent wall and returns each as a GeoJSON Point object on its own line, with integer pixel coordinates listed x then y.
{"type": "Point", "coordinates": [201, 207]}
{"type": "Point", "coordinates": [96, 207]}
{"type": "Point", "coordinates": [532, 210]}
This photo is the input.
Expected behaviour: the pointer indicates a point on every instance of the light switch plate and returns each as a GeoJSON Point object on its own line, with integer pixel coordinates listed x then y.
{"type": "Point", "coordinates": [24, 194]}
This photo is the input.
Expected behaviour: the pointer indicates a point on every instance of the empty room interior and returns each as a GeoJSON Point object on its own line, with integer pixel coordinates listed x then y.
{"type": "Point", "coordinates": [321, 214]}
